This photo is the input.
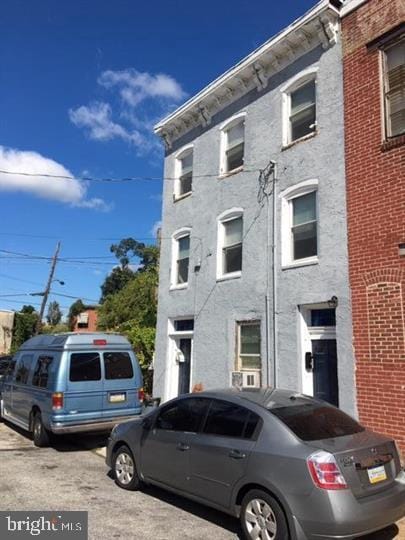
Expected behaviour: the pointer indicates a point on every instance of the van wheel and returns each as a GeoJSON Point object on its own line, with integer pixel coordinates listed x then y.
{"type": "Point", "coordinates": [124, 470]}
{"type": "Point", "coordinates": [40, 435]}
{"type": "Point", "coordinates": [262, 517]}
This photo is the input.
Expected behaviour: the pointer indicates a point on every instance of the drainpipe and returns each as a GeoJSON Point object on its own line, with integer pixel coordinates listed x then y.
{"type": "Point", "coordinates": [274, 278]}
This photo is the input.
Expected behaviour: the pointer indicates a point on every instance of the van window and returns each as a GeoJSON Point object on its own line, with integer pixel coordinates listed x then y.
{"type": "Point", "coordinates": [118, 365]}
{"type": "Point", "coordinates": [23, 369]}
{"type": "Point", "coordinates": [85, 367]}
{"type": "Point", "coordinates": [41, 373]}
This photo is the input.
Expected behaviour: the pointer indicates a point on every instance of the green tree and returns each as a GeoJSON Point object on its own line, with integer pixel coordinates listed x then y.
{"type": "Point", "coordinates": [24, 327]}
{"type": "Point", "coordinates": [57, 329]}
{"type": "Point", "coordinates": [76, 308]}
{"type": "Point", "coordinates": [115, 281]}
{"type": "Point", "coordinates": [148, 255]}
{"type": "Point", "coordinates": [54, 315]}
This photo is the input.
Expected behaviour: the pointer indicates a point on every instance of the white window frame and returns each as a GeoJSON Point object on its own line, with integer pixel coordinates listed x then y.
{"type": "Point", "coordinates": [181, 154]}
{"type": "Point", "coordinates": [387, 130]}
{"type": "Point", "coordinates": [238, 363]}
{"type": "Point", "coordinates": [224, 128]}
{"type": "Point", "coordinates": [287, 196]}
{"type": "Point", "coordinates": [301, 79]}
{"type": "Point", "coordinates": [228, 215]}
{"type": "Point", "coordinates": [178, 235]}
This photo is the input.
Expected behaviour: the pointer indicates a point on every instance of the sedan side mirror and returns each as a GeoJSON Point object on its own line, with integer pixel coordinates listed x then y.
{"type": "Point", "coordinates": [147, 423]}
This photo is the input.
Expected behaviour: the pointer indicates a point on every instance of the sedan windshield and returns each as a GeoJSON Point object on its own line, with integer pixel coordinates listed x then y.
{"type": "Point", "coordinates": [313, 421]}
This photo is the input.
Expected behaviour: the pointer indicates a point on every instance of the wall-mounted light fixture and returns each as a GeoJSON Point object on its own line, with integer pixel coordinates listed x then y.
{"type": "Point", "coordinates": [333, 302]}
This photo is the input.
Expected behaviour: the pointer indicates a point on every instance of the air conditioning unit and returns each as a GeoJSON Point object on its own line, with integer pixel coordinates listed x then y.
{"type": "Point", "coordinates": [251, 379]}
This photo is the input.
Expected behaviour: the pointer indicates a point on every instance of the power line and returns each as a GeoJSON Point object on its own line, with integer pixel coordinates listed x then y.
{"type": "Point", "coordinates": [114, 180]}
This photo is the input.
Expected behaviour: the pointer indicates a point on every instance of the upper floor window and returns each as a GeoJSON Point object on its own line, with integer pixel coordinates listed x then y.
{"type": "Point", "coordinates": [230, 240]}
{"type": "Point", "coordinates": [300, 106]}
{"type": "Point", "coordinates": [184, 176]}
{"type": "Point", "coordinates": [233, 145]}
{"type": "Point", "coordinates": [181, 258]}
{"type": "Point", "coordinates": [394, 88]}
{"type": "Point", "coordinates": [300, 223]}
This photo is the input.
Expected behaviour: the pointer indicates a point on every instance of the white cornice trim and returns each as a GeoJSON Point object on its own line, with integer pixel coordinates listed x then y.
{"type": "Point", "coordinates": [319, 25]}
{"type": "Point", "coordinates": [351, 6]}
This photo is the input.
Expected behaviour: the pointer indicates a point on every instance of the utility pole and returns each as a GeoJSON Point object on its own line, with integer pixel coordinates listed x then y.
{"type": "Point", "coordinates": [47, 288]}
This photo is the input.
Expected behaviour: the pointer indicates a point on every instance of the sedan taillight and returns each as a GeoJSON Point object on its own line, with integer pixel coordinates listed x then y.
{"type": "Point", "coordinates": [325, 472]}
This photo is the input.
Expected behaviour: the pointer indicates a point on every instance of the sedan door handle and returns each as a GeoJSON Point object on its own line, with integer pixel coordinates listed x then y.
{"type": "Point", "coordinates": [236, 454]}
{"type": "Point", "coordinates": [183, 447]}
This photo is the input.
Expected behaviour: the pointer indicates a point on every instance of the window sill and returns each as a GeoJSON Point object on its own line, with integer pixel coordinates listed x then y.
{"type": "Point", "coordinates": [226, 277]}
{"type": "Point", "coordinates": [178, 287]}
{"type": "Point", "coordinates": [302, 139]}
{"type": "Point", "coordinates": [177, 198]}
{"type": "Point", "coordinates": [303, 262]}
{"type": "Point", "coordinates": [230, 173]}
{"type": "Point", "coordinates": [394, 142]}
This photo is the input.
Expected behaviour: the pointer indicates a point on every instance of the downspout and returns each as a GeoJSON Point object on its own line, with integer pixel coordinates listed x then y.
{"type": "Point", "coordinates": [274, 278]}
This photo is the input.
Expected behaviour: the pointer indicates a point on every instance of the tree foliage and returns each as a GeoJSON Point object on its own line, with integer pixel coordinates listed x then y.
{"type": "Point", "coordinates": [56, 329]}
{"type": "Point", "coordinates": [148, 255]}
{"type": "Point", "coordinates": [76, 308]}
{"type": "Point", "coordinates": [24, 327]}
{"type": "Point", "coordinates": [115, 281]}
{"type": "Point", "coordinates": [54, 315]}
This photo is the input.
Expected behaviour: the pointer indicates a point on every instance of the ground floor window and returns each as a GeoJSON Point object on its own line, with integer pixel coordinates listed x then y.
{"type": "Point", "coordinates": [248, 360]}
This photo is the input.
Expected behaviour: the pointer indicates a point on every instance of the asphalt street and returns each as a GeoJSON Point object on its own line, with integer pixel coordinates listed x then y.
{"type": "Point", "coordinates": [72, 476]}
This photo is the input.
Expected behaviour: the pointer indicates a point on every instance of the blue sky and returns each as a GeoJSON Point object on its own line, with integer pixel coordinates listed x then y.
{"type": "Point", "coordinates": [81, 84]}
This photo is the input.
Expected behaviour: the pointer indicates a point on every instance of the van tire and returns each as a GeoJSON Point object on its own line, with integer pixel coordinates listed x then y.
{"type": "Point", "coordinates": [124, 469]}
{"type": "Point", "coordinates": [40, 434]}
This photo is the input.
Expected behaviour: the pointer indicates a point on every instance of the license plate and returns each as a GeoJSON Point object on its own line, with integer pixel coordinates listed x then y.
{"type": "Point", "coordinates": [377, 474]}
{"type": "Point", "coordinates": [116, 398]}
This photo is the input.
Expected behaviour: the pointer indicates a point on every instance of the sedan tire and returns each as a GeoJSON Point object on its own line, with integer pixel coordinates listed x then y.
{"type": "Point", "coordinates": [262, 518]}
{"type": "Point", "coordinates": [124, 469]}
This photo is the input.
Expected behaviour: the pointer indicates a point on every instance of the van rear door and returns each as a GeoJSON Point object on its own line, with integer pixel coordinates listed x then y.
{"type": "Point", "coordinates": [122, 381]}
{"type": "Point", "coordinates": [84, 387]}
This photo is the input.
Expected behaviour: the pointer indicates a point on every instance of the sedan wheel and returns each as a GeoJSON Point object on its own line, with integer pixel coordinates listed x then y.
{"type": "Point", "coordinates": [262, 517]}
{"type": "Point", "coordinates": [124, 469]}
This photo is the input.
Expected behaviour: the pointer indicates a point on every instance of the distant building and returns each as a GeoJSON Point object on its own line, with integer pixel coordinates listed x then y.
{"type": "Point", "coordinates": [86, 321]}
{"type": "Point", "coordinates": [374, 80]}
{"type": "Point", "coordinates": [6, 330]}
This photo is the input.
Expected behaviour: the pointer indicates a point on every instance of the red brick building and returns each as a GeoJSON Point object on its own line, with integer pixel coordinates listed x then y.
{"type": "Point", "coordinates": [86, 321]}
{"type": "Point", "coordinates": [374, 84]}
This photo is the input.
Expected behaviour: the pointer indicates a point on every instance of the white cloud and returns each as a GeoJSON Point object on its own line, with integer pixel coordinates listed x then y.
{"type": "Point", "coordinates": [143, 99]}
{"type": "Point", "coordinates": [156, 226]}
{"type": "Point", "coordinates": [64, 190]}
{"type": "Point", "coordinates": [135, 86]}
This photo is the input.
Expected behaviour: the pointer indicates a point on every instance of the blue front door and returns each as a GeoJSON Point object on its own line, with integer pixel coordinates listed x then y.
{"type": "Point", "coordinates": [325, 370]}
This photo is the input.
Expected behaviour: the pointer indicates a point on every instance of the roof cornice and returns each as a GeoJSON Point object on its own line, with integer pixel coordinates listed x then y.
{"type": "Point", "coordinates": [318, 26]}
{"type": "Point", "coordinates": [350, 6]}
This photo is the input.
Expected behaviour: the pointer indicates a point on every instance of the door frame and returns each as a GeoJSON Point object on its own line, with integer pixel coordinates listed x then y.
{"type": "Point", "coordinates": [308, 334]}
{"type": "Point", "coordinates": [174, 336]}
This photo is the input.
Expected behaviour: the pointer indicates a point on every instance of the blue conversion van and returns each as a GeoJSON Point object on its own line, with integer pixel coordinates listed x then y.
{"type": "Point", "coordinates": [71, 383]}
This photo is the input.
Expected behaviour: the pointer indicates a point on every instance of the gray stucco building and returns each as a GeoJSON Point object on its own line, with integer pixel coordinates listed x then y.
{"type": "Point", "coordinates": [254, 283]}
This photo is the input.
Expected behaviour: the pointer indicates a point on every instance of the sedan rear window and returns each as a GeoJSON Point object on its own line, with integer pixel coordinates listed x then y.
{"type": "Point", "coordinates": [118, 365]}
{"type": "Point", "coordinates": [313, 422]}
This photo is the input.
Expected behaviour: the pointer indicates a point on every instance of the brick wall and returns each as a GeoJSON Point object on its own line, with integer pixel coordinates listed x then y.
{"type": "Point", "coordinates": [375, 172]}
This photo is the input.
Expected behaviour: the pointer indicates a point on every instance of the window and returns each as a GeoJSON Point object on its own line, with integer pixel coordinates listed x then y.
{"type": "Point", "coordinates": [118, 365]}
{"type": "Point", "coordinates": [313, 421]}
{"type": "Point", "coordinates": [394, 88]}
{"type": "Point", "coordinates": [184, 325]}
{"type": "Point", "coordinates": [41, 373]}
{"type": "Point", "coordinates": [230, 420]}
{"type": "Point", "coordinates": [23, 369]}
{"type": "Point", "coordinates": [302, 119]}
{"type": "Point", "coordinates": [304, 226]}
{"type": "Point", "coordinates": [323, 317]}
{"type": "Point", "coordinates": [184, 415]}
{"type": "Point", "coordinates": [183, 258]}
{"type": "Point", "coordinates": [233, 145]}
{"type": "Point", "coordinates": [83, 320]}
{"type": "Point", "coordinates": [230, 239]}
{"type": "Point", "coordinates": [299, 224]}
{"type": "Point", "coordinates": [249, 347]}
{"type": "Point", "coordinates": [185, 172]}
{"type": "Point", "coordinates": [85, 367]}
